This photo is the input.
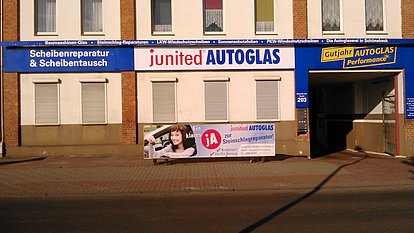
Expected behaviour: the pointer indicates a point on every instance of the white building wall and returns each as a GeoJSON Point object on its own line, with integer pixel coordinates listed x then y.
{"type": "Point", "coordinates": [68, 22]}
{"type": "Point", "coordinates": [70, 96]}
{"type": "Point", "coordinates": [239, 20]}
{"type": "Point", "coordinates": [353, 20]}
{"type": "Point", "coordinates": [242, 94]}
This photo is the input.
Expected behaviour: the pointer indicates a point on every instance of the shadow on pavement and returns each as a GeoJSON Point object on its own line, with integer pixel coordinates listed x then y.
{"type": "Point", "coordinates": [2, 163]}
{"type": "Point", "coordinates": [321, 152]}
{"type": "Point", "coordinates": [410, 163]}
{"type": "Point", "coordinates": [280, 211]}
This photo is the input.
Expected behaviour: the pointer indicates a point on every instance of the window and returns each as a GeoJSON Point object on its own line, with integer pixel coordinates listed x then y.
{"type": "Point", "coordinates": [92, 18]}
{"type": "Point", "coordinates": [93, 97]}
{"type": "Point", "coordinates": [265, 16]}
{"type": "Point", "coordinates": [45, 16]}
{"type": "Point", "coordinates": [331, 15]}
{"type": "Point", "coordinates": [374, 15]}
{"type": "Point", "coordinates": [161, 16]}
{"type": "Point", "coordinates": [163, 100]}
{"type": "Point", "coordinates": [267, 98]}
{"type": "Point", "coordinates": [213, 16]}
{"type": "Point", "coordinates": [46, 94]}
{"type": "Point", "coordinates": [216, 99]}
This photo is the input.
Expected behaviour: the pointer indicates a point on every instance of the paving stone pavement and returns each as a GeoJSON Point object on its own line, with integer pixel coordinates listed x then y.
{"type": "Point", "coordinates": [131, 175]}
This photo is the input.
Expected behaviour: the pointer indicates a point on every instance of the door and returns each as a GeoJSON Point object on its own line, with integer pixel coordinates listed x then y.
{"type": "Point", "coordinates": [388, 118]}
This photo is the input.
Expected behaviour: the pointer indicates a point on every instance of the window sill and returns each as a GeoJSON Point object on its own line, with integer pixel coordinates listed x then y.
{"type": "Point", "coordinates": [46, 34]}
{"type": "Point", "coordinates": [268, 120]}
{"type": "Point", "coordinates": [94, 124]}
{"type": "Point", "coordinates": [216, 121]}
{"type": "Point", "coordinates": [47, 125]}
{"type": "Point", "coordinates": [163, 34]}
{"type": "Point", "coordinates": [379, 33]}
{"type": "Point", "coordinates": [214, 33]}
{"type": "Point", "coordinates": [266, 33]}
{"type": "Point", "coordinates": [93, 34]}
{"type": "Point", "coordinates": [333, 33]}
{"type": "Point", "coordinates": [164, 122]}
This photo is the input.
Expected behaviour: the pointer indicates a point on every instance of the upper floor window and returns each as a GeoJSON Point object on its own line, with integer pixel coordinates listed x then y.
{"type": "Point", "coordinates": [331, 15]}
{"type": "Point", "coordinates": [265, 16]}
{"type": "Point", "coordinates": [374, 15]}
{"type": "Point", "coordinates": [161, 16]}
{"type": "Point", "coordinates": [92, 18]}
{"type": "Point", "coordinates": [213, 16]}
{"type": "Point", "coordinates": [45, 16]}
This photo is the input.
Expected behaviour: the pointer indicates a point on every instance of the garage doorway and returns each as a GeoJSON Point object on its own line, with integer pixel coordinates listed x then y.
{"type": "Point", "coordinates": [351, 110]}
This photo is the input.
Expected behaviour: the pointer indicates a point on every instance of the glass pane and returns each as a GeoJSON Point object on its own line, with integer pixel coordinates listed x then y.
{"type": "Point", "coordinates": [331, 15]}
{"type": "Point", "coordinates": [46, 15]}
{"type": "Point", "coordinates": [374, 15]}
{"type": "Point", "coordinates": [162, 16]}
{"type": "Point", "coordinates": [264, 15]}
{"type": "Point", "coordinates": [92, 16]}
{"type": "Point", "coordinates": [213, 15]}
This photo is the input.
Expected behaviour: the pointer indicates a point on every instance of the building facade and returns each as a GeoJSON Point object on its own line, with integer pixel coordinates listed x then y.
{"type": "Point", "coordinates": [93, 77]}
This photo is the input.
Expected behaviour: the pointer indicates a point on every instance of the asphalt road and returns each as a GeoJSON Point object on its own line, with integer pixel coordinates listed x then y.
{"type": "Point", "coordinates": [369, 210]}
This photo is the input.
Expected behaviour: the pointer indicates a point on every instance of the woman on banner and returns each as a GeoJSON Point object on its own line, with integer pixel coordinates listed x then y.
{"type": "Point", "coordinates": [179, 146]}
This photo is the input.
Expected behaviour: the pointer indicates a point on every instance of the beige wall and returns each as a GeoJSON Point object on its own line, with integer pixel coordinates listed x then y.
{"type": "Point", "coordinates": [353, 20]}
{"type": "Point", "coordinates": [242, 94]}
{"type": "Point", "coordinates": [70, 96]}
{"type": "Point", "coordinates": [68, 22]}
{"type": "Point", "coordinates": [239, 20]}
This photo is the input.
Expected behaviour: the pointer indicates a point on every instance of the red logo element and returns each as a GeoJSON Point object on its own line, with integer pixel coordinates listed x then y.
{"type": "Point", "coordinates": [211, 139]}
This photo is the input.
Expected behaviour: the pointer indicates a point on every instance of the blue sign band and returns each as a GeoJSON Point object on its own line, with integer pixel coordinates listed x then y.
{"type": "Point", "coordinates": [91, 59]}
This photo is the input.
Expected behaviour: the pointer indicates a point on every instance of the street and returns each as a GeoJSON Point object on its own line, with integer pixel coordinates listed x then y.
{"type": "Point", "coordinates": [299, 210]}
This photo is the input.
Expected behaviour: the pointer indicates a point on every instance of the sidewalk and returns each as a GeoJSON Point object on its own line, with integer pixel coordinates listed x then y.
{"type": "Point", "coordinates": [109, 175]}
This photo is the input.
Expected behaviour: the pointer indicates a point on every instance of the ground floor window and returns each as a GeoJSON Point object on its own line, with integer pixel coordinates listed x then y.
{"type": "Point", "coordinates": [267, 98]}
{"type": "Point", "coordinates": [216, 99]}
{"type": "Point", "coordinates": [164, 100]}
{"type": "Point", "coordinates": [93, 101]}
{"type": "Point", "coordinates": [46, 101]}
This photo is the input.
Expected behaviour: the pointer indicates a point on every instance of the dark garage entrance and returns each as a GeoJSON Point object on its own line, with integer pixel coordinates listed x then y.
{"type": "Point", "coordinates": [351, 110]}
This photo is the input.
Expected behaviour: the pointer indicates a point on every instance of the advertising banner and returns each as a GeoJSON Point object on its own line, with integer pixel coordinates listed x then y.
{"type": "Point", "coordinates": [356, 57]}
{"type": "Point", "coordinates": [91, 59]}
{"type": "Point", "coordinates": [209, 140]}
{"type": "Point", "coordinates": [378, 57]}
{"type": "Point", "coordinates": [148, 59]}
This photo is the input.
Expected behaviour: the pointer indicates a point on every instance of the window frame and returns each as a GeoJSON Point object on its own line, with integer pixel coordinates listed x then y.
{"type": "Point", "coordinates": [161, 33]}
{"type": "Point", "coordinates": [225, 80]}
{"type": "Point", "coordinates": [47, 81]}
{"type": "Point", "coordinates": [277, 79]}
{"type": "Point", "coordinates": [36, 21]}
{"type": "Point", "coordinates": [341, 21]}
{"type": "Point", "coordinates": [164, 80]}
{"type": "Point", "coordinates": [384, 28]}
{"type": "Point", "coordinates": [86, 33]}
{"type": "Point", "coordinates": [223, 32]}
{"type": "Point", "coordinates": [274, 32]}
{"type": "Point", "coordinates": [94, 80]}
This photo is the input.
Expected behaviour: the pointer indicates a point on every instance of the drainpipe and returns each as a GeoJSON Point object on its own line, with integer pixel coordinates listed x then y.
{"type": "Point", "coordinates": [2, 154]}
